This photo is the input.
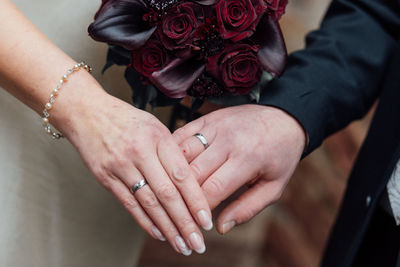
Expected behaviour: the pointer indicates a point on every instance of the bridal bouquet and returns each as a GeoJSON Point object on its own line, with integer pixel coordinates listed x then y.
{"type": "Point", "coordinates": [201, 48]}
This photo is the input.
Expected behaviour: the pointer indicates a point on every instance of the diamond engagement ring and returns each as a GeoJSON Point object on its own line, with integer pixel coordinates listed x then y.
{"type": "Point", "coordinates": [138, 185]}
{"type": "Point", "coordinates": [202, 139]}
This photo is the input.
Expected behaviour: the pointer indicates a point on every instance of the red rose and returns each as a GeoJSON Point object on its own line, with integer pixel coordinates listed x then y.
{"type": "Point", "coordinates": [238, 19]}
{"type": "Point", "coordinates": [237, 68]}
{"type": "Point", "coordinates": [276, 7]}
{"type": "Point", "coordinates": [179, 26]}
{"type": "Point", "coordinates": [150, 58]}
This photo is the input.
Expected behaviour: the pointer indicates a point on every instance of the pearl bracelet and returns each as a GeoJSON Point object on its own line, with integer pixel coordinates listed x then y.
{"type": "Point", "coordinates": [49, 105]}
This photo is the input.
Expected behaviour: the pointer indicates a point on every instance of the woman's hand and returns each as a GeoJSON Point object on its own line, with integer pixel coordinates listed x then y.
{"type": "Point", "coordinates": [122, 145]}
{"type": "Point", "coordinates": [250, 144]}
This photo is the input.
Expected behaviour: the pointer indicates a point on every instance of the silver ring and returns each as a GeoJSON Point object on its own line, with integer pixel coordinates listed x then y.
{"type": "Point", "coordinates": [138, 185]}
{"type": "Point", "coordinates": [202, 139]}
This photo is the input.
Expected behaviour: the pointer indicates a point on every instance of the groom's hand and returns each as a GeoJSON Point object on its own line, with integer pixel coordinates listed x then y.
{"type": "Point", "coordinates": [249, 144]}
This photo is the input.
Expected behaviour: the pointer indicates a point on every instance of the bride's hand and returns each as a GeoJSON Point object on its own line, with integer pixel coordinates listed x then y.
{"type": "Point", "coordinates": [122, 145]}
{"type": "Point", "coordinates": [250, 144]}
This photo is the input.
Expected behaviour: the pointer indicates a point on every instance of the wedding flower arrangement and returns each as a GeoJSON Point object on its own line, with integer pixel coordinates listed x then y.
{"type": "Point", "coordinates": [201, 48]}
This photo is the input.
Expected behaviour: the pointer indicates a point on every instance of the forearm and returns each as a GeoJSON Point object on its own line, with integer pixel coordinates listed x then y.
{"type": "Point", "coordinates": [31, 66]}
{"type": "Point", "coordinates": [338, 76]}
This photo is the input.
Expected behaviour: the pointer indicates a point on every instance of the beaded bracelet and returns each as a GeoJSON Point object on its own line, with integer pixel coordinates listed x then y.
{"type": "Point", "coordinates": [49, 105]}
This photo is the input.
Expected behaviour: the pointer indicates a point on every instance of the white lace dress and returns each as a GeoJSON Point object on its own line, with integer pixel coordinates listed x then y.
{"type": "Point", "coordinates": [52, 211]}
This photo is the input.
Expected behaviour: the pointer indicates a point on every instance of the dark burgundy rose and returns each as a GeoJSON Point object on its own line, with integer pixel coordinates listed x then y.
{"type": "Point", "coordinates": [276, 7]}
{"type": "Point", "coordinates": [238, 19]}
{"type": "Point", "coordinates": [150, 58]}
{"type": "Point", "coordinates": [237, 68]}
{"type": "Point", "coordinates": [180, 25]}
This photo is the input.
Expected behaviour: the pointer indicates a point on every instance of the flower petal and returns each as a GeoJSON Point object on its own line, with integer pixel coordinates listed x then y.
{"type": "Point", "coordinates": [272, 52]}
{"type": "Point", "coordinates": [177, 77]}
{"type": "Point", "coordinates": [206, 2]}
{"type": "Point", "coordinates": [120, 22]}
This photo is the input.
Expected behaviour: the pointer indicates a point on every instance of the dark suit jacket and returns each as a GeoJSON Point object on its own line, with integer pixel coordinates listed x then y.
{"type": "Point", "coordinates": [352, 60]}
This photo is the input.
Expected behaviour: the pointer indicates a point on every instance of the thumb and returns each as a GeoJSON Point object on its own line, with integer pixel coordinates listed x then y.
{"type": "Point", "coordinates": [249, 204]}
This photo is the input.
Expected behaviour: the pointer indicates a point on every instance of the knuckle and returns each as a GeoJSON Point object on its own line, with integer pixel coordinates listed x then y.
{"type": "Point", "coordinates": [187, 225]}
{"type": "Point", "coordinates": [245, 214]}
{"type": "Point", "coordinates": [99, 173]}
{"type": "Point", "coordinates": [129, 203]}
{"type": "Point", "coordinates": [214, 188]}
{"type": "Point", "coordinates": [170, 232]}
{"type": "Point", "coordinates": [107, 184]}
{"type": "Point", "coordinates": [180, 173]}
{"type": "Point", "coordinates": [196, 170]}
{"type": "Point", "coordinates": [104, 176]}
{"type": "Point", "coordinates": [149, 201]}
{"type": "Point", "coordinates": [179, 132]}
{"type": "Point", "coordinates": [120, 161]}
{"type": "Point", "coordinates": [167, 192]}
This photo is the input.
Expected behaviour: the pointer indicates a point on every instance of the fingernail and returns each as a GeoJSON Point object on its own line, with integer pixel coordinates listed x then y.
{"type": "Point", "coordinates": [157, 234]}
{"type": "Point", "coordinates": [205, 220]}
{"type": "Point", "coordinates": [182, 246]}
{"type": "Point", "coordinates": [197, 243]}
{"type": "Point", "coordinates": [226, 227]}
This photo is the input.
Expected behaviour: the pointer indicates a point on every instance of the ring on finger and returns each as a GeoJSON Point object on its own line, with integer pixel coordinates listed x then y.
{"type": "Point", "coordinates": [138, 185]}
{"type": "Point", "coordinates": [202, 139]}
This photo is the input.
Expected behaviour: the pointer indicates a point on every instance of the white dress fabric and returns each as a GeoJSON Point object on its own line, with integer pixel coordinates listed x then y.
{"type": "Point", "coordinates": [52, 211]}
{"type": "Point", "coordinates": [393, 189]}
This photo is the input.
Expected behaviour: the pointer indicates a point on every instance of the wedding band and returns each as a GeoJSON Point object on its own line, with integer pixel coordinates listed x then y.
{"type": "Point", "coordinates": [202, 139]}
{"type": "Point", "coordinates": [138, 185]}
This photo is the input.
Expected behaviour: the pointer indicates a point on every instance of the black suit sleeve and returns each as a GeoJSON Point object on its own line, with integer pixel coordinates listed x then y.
{"type": "Point", "coordinates": [337, 77]}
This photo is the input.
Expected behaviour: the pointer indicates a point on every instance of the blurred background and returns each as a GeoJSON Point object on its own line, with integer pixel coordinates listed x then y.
{"type": "Point", "coordinates": [293, 232]}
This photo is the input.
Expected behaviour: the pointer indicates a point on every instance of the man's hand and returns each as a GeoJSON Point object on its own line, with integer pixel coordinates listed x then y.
{"type": "Point", "coordinates": [251, 144]}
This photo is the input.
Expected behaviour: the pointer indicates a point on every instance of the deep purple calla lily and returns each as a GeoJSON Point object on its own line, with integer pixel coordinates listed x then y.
{"type": "Point", "coordinates": [177, 77]}
{"type": "Point", "coordinates": [206, 2]}
{"type": "Point", "coordinates": [120, 22]}
{"type": "Point", "coordinates": [272, 49]}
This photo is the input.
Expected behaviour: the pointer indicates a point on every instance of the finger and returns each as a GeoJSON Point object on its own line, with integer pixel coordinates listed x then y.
{"type": "Point", "coordinates": [226, 180]}
{"type": "Point", "coordinates": [125, 197]}
{"type": "Point", "coordinates": [193, 147]}
{"type": "Point", "coordinates": [188, 130]}
{"type": "Point", "coordinates": [173, 203]}
{"type": "Point", "coordinates": [249, 204]}
{"type": "Point", "coordinates": [209, 161]}
{"type": "Point", "coordinates": [150, 204]}
{"type": "Point", "coordinates": [180, 172]}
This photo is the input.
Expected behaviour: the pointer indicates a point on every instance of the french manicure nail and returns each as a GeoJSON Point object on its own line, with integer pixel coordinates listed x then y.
{"type": "Point", "coordinates": [226, 227]}
{"type": "Point", "coordinates": [157, 234]}
{"type": "Point", "coordinates": [205, 220]}
{"type": "Point", "coordinates": [197, 243]}
{"type": "Point", "coordinates": [182, 246]}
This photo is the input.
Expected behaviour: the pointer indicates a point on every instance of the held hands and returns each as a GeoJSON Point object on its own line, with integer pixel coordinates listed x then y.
{"type": "Point", "coordinates": [250, 144]}
{"type": "Point", "coordinates": [122, 145]}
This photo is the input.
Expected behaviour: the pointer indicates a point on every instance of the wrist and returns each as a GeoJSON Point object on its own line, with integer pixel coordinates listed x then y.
{"type": "Point", "coordinates": [292, 126]}
{"type": "Point", "coordinates": [75, 99]}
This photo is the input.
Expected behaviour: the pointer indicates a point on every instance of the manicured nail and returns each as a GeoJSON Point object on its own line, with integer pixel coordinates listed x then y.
{"type": "Point", "coordinates": [182, 246]}
{"type": "Point", "coordinates": [205, 220]}
{"type": "Point", "coordinates": [157, 234]}
{"type": "Point", "coordinates": [226, 227]}
{"type": "Point", "coordinates": [197, 243]}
